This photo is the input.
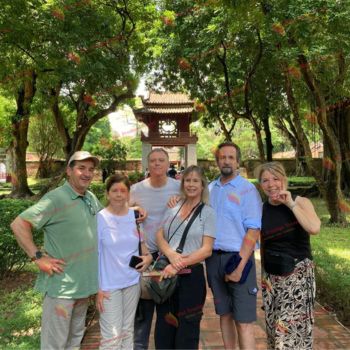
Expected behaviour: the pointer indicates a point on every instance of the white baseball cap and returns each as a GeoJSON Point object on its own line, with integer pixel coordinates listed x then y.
{"type": "Point", "coordinates": [83, 155]}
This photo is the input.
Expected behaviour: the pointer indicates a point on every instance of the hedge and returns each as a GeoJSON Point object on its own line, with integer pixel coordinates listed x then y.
{"type": "Point", "coordinates": [12, 257]}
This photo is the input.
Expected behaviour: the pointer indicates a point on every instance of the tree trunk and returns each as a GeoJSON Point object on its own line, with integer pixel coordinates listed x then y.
{"type": "Point", "coordinates": [259, 140]}
{"type": "Point", "coordinates": [303, 152]}
{"type": "Point", "coordinates": [59, 120]}
{"type": "Point", "coordinates": [334, 196]}
{"type": "Point", "coordinates": [20, 124]}
{"type": "Point", "coordinates": [44, 169]}
{"type": "Point", "coordinates": [268, 137]}
{"type": "Point", "coordinates": [340, 121]}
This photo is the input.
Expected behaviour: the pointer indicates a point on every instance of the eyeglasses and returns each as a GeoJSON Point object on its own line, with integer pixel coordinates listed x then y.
{"type": "Point", "coordinates": [87, 201]}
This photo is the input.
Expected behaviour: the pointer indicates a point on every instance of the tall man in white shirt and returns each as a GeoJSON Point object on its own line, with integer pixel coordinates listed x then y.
{"type": "Point", "coordinates": [152, 194]}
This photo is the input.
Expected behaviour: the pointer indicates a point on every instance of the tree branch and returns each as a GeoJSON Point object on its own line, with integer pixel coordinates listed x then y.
{"type": "Point", "coordinates": [222, 60]}
{"type": "Point", "coordinates": [251, 73]}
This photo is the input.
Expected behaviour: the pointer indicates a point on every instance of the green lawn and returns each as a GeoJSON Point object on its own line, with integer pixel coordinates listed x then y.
{"type": "Point", "coordinates": [20, 310]}
{"type": "Point", "coordinates": [331, 251]}
{"type": "Point", "coordinates": [34, 184]}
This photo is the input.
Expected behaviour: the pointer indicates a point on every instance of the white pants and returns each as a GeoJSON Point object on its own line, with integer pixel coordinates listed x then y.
{"type": "Point", "coordinates": [117, 321]}
{"type": "Point", "coordinates": [63, 323]}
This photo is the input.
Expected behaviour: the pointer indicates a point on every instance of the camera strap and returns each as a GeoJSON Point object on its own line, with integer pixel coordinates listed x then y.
{"type": "Point", "coordinates": [138, 232]}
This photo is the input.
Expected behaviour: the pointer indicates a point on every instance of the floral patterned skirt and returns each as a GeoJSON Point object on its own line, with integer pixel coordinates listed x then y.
{"type": "Point", "coordinates": [288, 304]}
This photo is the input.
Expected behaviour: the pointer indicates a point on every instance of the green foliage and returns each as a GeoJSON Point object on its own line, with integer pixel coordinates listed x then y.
{"type": "Point", "coordinates": [12, 257]}
{"type": "Point", "coordinates": [20, 319]}
{"type": "Point", "coordinates": [332, 258]}
{"type": "Point", "coordinates": [212, 173]}
{"type": "Point", "coordinates": [45, 141]}
{"type": "Point", "coordinates": [133, 145]}
{"type": "Point", "coordinates": [135, 176]}
{"type": "Point", "coordinates": [208, 138]}
{"type": "Point", "coordinates": [101, 130]}
{"type": "Point", "coordinates": [300, 181]}
{"type": "Point", "coordinates": [7, 108]}
{"type": "Point", "coordinates": [87, 57]}
{"type": "Point", "coordinates": [99, 189]}
{"type": "Point", "coordinates": [331, 252]}
{"type": "Point", "coordinates": [111, 152]}
{"type": "Point", "coordinates": [43, 137]}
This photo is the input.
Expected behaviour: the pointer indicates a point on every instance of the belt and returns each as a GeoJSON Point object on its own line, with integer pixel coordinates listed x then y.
{"type": "Point", "coordinates": [219, 251]}
{"type": "Point", "coordinates": [189, 269]}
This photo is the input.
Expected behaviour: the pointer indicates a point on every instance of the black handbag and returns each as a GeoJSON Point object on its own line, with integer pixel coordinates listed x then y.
{"type": "Point", "coordinates": [158, 289]}
{"type": "Point", "coordinates": [279, 263]}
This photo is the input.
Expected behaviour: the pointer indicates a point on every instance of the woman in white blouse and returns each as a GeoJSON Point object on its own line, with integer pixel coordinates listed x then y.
{"type": "Point", "coordinates": [119, 288]}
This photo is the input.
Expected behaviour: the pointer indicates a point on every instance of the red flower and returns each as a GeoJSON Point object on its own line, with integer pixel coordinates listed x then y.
{"type": "Point", "coordinates": [328, 163]}
{"type": "Point", "coordinates": [343, 206]}
{"type": "Point", "coordinates": [311, 117]}
{"type": "Point", "coordinates": [279, 29]}
{"type": "Point", "coordinates": [88, 99]}
{"type": "Point", "coordinates": [167, 21]}
{"type": "Point", "coordinates": [199, 107]}
{"type": "Point", "coordinates": [294, 72]}
{"type": "Point", "coordinates": [73, 57]}
{"type": "Point", "coordinates": [58, 14]}
{"type": "Point", "coordinates": [184, 64]}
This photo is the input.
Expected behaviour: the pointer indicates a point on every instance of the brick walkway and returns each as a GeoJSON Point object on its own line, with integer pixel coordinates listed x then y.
{"type": "Point", "coordinates": [329, 334]}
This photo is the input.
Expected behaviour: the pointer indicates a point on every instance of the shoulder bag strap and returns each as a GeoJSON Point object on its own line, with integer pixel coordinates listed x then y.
{"type": "Point", "coordinates": [138, 232]}
{"type": "Point", "coordinates": [180, 248]}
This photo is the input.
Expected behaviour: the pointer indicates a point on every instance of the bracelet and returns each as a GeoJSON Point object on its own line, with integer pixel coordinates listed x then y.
{"type": "Point", "coordinates": [292, 205]}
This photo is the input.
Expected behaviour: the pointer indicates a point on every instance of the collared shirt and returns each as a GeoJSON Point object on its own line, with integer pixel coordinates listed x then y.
{"type": "Point", "coordinates": [238, 208]}
{"type": "Point", "coordinates": [70, 233]}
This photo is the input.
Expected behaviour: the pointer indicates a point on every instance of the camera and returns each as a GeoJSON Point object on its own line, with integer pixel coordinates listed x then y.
{"type": "Point", "coordinates": [137, 214]}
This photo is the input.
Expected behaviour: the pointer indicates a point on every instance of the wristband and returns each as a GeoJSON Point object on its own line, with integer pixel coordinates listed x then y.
{"type": "Point", "coordinates": [38, 255]}
{"type": "Point", "coordinates": [291, 206]}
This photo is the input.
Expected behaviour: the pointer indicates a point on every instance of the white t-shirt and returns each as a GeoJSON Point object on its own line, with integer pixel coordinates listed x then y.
{"type": "Point", "coordinates": [117, 241]}
{"type": "Point", "coordinates": [154, 200]}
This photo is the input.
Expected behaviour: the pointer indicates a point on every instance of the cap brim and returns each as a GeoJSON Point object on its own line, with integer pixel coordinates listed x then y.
{"type": "Point", "coordinates": [94, 159]}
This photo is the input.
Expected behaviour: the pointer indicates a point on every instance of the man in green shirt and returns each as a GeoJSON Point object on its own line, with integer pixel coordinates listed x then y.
{"type": "Point", "coordinates": [69, 263]}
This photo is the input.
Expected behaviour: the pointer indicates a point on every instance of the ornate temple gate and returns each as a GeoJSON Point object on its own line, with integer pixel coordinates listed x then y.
{"type": "Point", "coordinates": [168, 117]}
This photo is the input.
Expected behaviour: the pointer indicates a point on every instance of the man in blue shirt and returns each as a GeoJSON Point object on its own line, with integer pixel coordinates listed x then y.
{"type": "Point", "coordinates": [238, 207]}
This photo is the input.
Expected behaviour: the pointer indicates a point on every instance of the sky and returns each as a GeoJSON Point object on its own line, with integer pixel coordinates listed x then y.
{"type": "Point", "coordinates": [123, 122]}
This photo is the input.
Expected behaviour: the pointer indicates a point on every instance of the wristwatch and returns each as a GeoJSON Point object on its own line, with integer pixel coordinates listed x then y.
{"type": "Point", "coordinates": [38, 255]}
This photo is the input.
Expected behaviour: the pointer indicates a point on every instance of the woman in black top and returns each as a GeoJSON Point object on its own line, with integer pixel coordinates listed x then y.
{"type": "Point", "coordinates": [288, 283]}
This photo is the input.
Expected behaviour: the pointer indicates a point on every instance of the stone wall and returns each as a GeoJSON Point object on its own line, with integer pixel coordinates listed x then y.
{"type": "Point", "coordinates": [247, 166]}
{"type": "Point", "coordinates": [129, 166]}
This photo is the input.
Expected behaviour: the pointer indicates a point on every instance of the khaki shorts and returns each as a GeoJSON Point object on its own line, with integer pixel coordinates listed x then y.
{"type": "Point", "coordinates": [235, 298]}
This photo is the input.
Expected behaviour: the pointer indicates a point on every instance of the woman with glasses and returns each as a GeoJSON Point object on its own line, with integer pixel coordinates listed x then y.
{"type": "Point", "coordinates": [178, 319]}
{"type": "Point", "coordinates": [119, 288]}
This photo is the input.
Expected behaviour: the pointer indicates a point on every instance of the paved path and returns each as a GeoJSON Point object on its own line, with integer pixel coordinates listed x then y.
{"type": "Point", "coordinates": [329, 334]}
